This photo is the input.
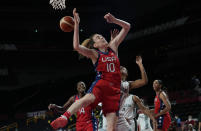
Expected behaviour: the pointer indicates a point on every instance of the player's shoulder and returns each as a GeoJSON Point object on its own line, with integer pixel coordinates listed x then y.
{"type": "Point", "coordinates": [135, 98]}
{"type": "Point", "coordinates": [162, 94]}
{"type": "Point", "coordinates": [125, 83]}
{"type": "Point", "coordinates": [73, 97]}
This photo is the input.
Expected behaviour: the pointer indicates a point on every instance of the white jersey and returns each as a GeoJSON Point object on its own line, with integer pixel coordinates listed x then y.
{"type": "Point", "coordinates": [127, 105]}
{"type": "Point", "coordinates": [126, 112]}
{"type": "Point", "coordinates": [127, 108]}
{"type": "Point", "coordinates": [144, 122]}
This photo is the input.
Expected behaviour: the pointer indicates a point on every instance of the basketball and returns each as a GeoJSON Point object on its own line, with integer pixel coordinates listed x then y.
{"type": "Point", "coordinates": [67, 24]}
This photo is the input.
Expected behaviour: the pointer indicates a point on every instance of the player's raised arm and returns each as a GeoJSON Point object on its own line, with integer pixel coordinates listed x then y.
{"type": "Point", "coordinates": [114, 44]}
{"type": "Point", "coordinates": [144, 80]}
{"type": "Point", "coordinates": [76, 43]}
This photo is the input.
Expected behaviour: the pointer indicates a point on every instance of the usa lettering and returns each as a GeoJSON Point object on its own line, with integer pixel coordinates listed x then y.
{"type": "Point", "coordinates": [104, 59]}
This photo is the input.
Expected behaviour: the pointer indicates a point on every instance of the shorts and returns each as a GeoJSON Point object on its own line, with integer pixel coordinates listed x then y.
{"type": "Point", "coordinates": [163, 122]}
{"type": "Point", "coordinates": [106, 92]}
{"type": "Point", "coordinates": [124, 125]}
{"type": "Point", "coordinates": [86, 126]}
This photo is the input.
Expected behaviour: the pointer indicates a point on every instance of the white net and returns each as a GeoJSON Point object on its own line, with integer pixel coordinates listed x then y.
{"type": "Point", "coordinates": [58, 4]}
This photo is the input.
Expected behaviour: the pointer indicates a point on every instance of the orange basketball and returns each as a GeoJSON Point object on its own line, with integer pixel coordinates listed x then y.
{"type": "Point", "coordinates": [67, 24]}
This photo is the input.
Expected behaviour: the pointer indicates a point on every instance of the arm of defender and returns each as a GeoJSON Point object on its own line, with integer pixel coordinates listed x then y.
{"type": "Point", "coordinates": [144, 109]}
{"type": "Point", "coordinates": [140, 82]}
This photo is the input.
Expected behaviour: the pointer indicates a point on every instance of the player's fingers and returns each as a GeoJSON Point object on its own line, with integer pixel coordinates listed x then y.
{"type": "Point", "coordinates": [49, 107]}
{"type": "Point", "coordinates": [116, 31]}
{"type": "Point", "coordinates": [74, 10]}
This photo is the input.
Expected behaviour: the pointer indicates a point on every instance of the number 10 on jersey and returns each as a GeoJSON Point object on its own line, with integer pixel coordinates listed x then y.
{"type": "Point", "coordinates": [110, 67]}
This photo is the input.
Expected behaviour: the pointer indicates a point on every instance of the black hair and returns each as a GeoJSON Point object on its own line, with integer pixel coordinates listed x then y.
{"type": "Point", "coordinates": [162, 86]}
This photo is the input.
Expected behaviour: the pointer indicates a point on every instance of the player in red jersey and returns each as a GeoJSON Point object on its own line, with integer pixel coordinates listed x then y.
{"type": "Point", "coordinates": [106, 87]}
{"type": "Point", "coordinates": [85, 120]}
{"type": "Point", "coordinates": [162, 107]}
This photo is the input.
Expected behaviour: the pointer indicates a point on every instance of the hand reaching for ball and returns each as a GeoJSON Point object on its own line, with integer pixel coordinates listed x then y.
{"type": "Point", "coordinates": [76, 16]}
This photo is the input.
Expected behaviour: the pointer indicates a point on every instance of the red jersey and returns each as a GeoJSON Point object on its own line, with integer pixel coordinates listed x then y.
{"type": "Point", "coordinates": [159, 105]}
{"type": "Point", "coordinates": [84, 114]}
{"type": "Point", "coordinates": [107, 67]}
{"type": "Point", "coordinates": [163, 121]}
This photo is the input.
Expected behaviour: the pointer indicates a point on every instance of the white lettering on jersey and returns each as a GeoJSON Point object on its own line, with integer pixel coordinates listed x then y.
{"type": "Point", "coordinates": [82, 110]}
{"type": "Point", "coordinates": [155, 99]}
{"type": "Point", "coordinates": [104, 59]}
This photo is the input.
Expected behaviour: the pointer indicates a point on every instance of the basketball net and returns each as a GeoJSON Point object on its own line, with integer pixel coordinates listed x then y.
{"type": "Point", "coordinates": [58, 4]}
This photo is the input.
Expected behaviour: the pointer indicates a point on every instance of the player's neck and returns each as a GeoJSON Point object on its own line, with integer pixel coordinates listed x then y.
{"type": "Point", "coordinates": [103, 49]}
{"type": "Point", "coordinates": [123, 78]}
{"type": "Point", "coordinates": [81, 94]}
{"type": "Point", "coordinates": [158, 92]}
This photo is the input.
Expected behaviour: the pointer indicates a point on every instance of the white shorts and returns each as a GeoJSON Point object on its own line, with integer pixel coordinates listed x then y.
{"type": "Point", "coordinates": [149, 129]}
{"type": "Point", "coordinates": [125, 125]}
{"type": "Point", "coordinates": [101, 129]}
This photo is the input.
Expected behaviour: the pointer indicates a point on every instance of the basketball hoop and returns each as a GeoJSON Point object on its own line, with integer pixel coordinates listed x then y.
{"type": "Point", "coordinates": [58, 4]}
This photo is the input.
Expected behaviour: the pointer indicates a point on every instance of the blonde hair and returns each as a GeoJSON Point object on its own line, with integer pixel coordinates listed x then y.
{"type": "Point", "coordinates": [88, 43]}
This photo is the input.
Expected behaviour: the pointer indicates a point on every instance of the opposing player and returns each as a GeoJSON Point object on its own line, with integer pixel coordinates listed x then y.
{"type": "Point", "coordinates": [126, 113]}
{"type": "Point", "coordinates": [128, 101]}
{"type": "Point", "coordinates": [143, 121]}
{"type": "Point", "coordinates": [104, 56]}
{"type": "Point", "coordinates": [162, 107]}
{"type": "Point", "coordinates": [85, 120]}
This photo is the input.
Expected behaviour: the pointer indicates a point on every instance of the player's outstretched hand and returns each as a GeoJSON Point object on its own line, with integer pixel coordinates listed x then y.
{"type": "Point", "coordinates": [76, 16]}
{"type": "Point", "coordinates": [109, 18]}
{"type": "Point", "coordinates": [138, 60]}
{"type": "Point", "coordinates": [51, 106]}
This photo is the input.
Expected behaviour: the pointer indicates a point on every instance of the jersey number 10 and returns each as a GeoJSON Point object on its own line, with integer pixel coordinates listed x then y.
{"type": "Point", "coordinates": [110, 67]}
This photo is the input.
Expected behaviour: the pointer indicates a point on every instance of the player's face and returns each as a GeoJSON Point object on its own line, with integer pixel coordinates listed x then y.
{"type": "Point", "coordinates": [124, 72]}
{"type": "Point", "coordinates": [81, 87]}
{"type": "Point", "coordinates": [156, 85]}
{"type": "Point", "coordinates": [99, 41]}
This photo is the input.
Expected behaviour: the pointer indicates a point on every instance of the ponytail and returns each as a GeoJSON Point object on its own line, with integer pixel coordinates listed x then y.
{"type": "Point", "coordinates": [163, 87]}
{"type": "Point", "coordinates": [88, 43]}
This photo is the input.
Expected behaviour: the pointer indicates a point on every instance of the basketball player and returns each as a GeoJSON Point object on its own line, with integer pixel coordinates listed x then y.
{"type": "Point", "coordinates": [85, 120]}
{"type": "Point", "coordinates": [104, 56]}
{"type": "Point", "coordinates": [162, 107]}
{"type": "Point", "coordinates": [143, 121]}
{"type": "Point", "coordinates": [128, 101]}
{"type": "Point", "coordinates": [126, 114]}
{"type": "Point", "coordinates": [102, 120]}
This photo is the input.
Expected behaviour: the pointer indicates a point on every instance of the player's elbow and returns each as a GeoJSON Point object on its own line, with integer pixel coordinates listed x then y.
{"type": "Point", "coordinates": [127, 27]}
{"type": "Point", "coordinates": [145, 81]}
{"type": "Point", "coordinates": [169, 107]}
{"type": "Point", "coordinates": [76, 47]}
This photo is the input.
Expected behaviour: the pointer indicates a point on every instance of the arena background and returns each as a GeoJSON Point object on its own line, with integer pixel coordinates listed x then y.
{"type": "Point", "coordinates": [38, 65]}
